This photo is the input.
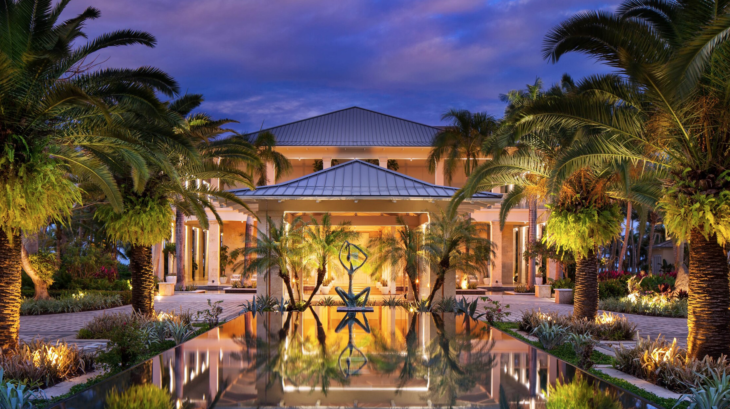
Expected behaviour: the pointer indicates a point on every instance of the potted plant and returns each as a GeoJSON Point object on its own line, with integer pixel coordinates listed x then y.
{"type": "Point", "coordinates": [326, 286]}
{"type": "Point", "coordinates": [384, 287]}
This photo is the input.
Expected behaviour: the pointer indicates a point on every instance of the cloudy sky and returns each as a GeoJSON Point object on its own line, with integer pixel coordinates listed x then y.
{"type": "Point", "coordinates": [273, 62]}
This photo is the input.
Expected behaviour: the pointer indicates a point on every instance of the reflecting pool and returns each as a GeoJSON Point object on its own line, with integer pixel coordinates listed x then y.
{"type": "Point", "coordinates": [389, 357]}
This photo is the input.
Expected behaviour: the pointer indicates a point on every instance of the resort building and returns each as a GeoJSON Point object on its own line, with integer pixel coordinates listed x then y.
{"type": "Point", "coordinates": [366, 168]}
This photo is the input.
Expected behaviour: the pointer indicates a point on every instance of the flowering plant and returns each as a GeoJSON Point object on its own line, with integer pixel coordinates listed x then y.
{"type": "Point", "coordinates": [494, 311]}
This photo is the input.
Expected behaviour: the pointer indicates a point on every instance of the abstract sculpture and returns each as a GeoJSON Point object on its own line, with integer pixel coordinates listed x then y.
{"type": "Point", "coordinates": [352, 301]}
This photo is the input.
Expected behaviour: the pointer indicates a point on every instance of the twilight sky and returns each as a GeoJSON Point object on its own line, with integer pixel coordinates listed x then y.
{"type": "Point", "coordinates": [277, 61]}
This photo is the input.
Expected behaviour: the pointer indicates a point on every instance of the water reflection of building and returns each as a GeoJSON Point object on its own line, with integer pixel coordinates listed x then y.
{"type": "Point", "coordinates": [414, 360]}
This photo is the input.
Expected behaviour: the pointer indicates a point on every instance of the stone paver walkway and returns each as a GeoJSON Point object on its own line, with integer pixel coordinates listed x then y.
{"type": "Point", "coordinates": [65, 326]}
{"type": "Point", "coordinates": [646, 325]}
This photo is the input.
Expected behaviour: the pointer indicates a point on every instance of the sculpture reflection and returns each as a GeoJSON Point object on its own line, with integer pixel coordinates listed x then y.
{"type": "Point", "coordinates": [348, 321]}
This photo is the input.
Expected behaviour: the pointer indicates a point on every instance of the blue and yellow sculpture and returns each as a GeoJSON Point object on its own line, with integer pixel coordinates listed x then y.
{"type": "Point", "coordinates": [352, 301]}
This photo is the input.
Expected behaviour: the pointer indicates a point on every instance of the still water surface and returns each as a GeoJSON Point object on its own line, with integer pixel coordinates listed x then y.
{"type": "Point", "coordinates": [323, 358]}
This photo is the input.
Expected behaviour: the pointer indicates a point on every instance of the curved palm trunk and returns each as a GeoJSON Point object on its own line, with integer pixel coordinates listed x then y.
{"type": "Point", "coordinates": [41, 288]}
{"type": "Point", "coordinates": [414, 287]}
{"type": "Point", "coordinates": [443, 267]}
{"type": "Point", "coordinates": [321, 273]}
{"type": "Point", "coordinates": [532, 238]}
{"type": "Point", "coordinates": [627, 232]}
{"type": "Point", "coordinates": [287, 282]}
{"type": "Point", "coordinates": [143, 279]}
{"type": "Point", "coordinates": [585, 296]}
{"type": "Point", "coordinates": [10, 255]}
{"type": "Point", "coordinates": [709, 298]}
{"type": "Point", "coordinates": [180, 248]}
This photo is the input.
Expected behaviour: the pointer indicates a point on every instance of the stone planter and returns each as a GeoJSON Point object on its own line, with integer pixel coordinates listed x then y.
{"type": "Point", "coordinates": [385, 290]}
{"type": "Point", "coordinates": [324, 290]}
{"type": "Point", "coordinates": [171, 279]}
{"type": "Point", "coordinates": [223, 279]}
{"type": "Point", "coordinates": [538, 280]}
{"type": "Point", "coordinates": [564, 296]}
{"type": "Point", "coordinates": [543, 291]}
{"type": "Point", "coordinates": [166, 289]}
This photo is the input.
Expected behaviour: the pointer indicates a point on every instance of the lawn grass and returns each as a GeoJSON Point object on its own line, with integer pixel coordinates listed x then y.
{"type": "Point", "coordinates": [566, 353]}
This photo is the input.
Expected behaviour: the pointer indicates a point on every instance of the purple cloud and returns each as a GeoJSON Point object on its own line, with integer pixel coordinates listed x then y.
{"type": "Point", "coordinates": [280, 61]}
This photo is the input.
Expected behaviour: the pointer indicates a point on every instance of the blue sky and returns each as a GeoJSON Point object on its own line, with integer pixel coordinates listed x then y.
{"type": "Point", "coordinates": [273, 62]}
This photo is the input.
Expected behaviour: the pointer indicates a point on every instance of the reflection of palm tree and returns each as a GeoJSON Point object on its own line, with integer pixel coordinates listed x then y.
{"type": "Point", "coordinates": [387, 359]}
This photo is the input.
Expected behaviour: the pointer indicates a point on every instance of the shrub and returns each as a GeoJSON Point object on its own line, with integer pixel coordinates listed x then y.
{"type": "Point", "coordinates": [607, 326]}
{"type": "Point", "coordinates": [391, 302]}
{"type": "Point", "coordinates": [715, 393]}
{"type": "Point", "coordinates": [658, 305]}
{"type": "Point", "coordinates": [139, 397]}
{"type": "Point", "coordinates": [612, 289]}
{"type": "Point", "coordinates": [211, 315]}
{"type": "Point", "coordinates": [84, 260]}
{"type": "Point", "coordinates": [44, 264]}
{"type": "Point", "coordinates": [583, 345]}
{"type": "Point", "coordinates": [39, 363]}
{"type": "Point", "coordinates": [180, 332]}
{"type": "Point", "coordinates": [102, 326]}
{"type": "Point", "coordinates": [127, 344]}
{"type": "Point", "coordinates": [15, 395]}
{"type": "Point", "coordinates": [76, 303]}
{"type": "Point", "coordinates": [524, 288]}
{"type": "Point", "coordinates": [493, 310]}
{"type": "Point", "coordinates": [446, 304]}
{"type": "Point", "coordinates": [331, 302]}
{"type": "Point", "coordinates": [550, 336]}
{"type": "Point", "coordinates": [579, 394]}
{"type": "Point", "coordinates": [667, 365]}
{"type": "Point", "coordinates": [562, 283]}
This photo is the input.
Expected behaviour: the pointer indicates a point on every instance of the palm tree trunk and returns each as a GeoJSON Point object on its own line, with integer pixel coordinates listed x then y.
{"type": "Point", "coordinates": [287, 282]}
{"type": "Point", "coordinates": [414, 287]}
{"type": "Point", "coordinates": [321, 272]}
{"type": "Point", "coordinates": [41, 288]}
{"type": "Point", "coordinates": [653, 218]}
{"type": "Point", "coordinates": [709, 298]}
{"type": "Point", "coordinates": [143, 279]}
{"type": "Point", "coordinates": [531, 239]}
{"type": "Point", "coordinates": [585, 304]}
{"type": "Point", "coordinates": [626, 237]}
{"type": "Point", "coordinates": [9, 290]}
{"type": "Point", "coordinates": [436, 286]}
{"type": "Point", "coordinates": [180, 248]}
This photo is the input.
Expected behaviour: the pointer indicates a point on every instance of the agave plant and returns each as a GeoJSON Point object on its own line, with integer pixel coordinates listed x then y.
{"type": "Point", "coordinates": [180, 332]}
{"type": "Point", "coordinates": [550, 336]}
{"type": "Point", "coordinates": [15, 395]}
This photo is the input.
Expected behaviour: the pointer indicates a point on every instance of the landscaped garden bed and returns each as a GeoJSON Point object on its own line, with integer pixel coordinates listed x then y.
{"type": "Point", "coordinates": [75, 303]}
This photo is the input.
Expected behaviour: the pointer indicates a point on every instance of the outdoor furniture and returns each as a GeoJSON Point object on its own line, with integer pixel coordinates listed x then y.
{"type": "Point", "coordinates": [167, 289]}
{"type": "Point", "coordinates": [235, 277]}
{"type": "Point", "coordinates": [543, 291]}
{"type": "Point", "coordinates": [564, 296]}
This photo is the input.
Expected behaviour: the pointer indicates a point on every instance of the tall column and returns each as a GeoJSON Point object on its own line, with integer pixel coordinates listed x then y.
{"type": "Point", "coordinates": [214, 253]}
{"type": "Point", "coordinates": [270, 174]}
{"type": "Point", "coordinates": [383, 162]}
{"type": "Point", "coordinates": [495, 279]}
{"type": "Point", "coordinates": [189, 253]}
{"type": "Point", "coordinates": [326, 162]}
{"type": "Point", "coordinates": [439, 173]}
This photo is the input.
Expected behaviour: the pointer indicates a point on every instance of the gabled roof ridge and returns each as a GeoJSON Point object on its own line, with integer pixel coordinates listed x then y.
{"type": "Point", "coordinates": [338, 111]}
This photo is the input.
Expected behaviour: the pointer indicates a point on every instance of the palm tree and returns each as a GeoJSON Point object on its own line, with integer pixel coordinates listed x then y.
{"type": "Point", "coordinates": [150, 194]}
{"type": "Point", "coordinates": [322, 243]}
{"type": "Point", "coordinates": [583, 218]}
{"type": "Point", "coordinates": [669, 109]}
{"type": "Point", "coordinates": [454, 242]}
{"type": "Point", "coordinates": [401, 251]}
{"type": "Point", "coordinates": [220, 158]}
{"type": "Point", "coordinates": [462, 141]}
{"type": "Point", "coordinates": [45, 86]}
{"type": "Point", "coordinates": [265, 144]}
{"type": "Point", "coordinates": [276, 249]}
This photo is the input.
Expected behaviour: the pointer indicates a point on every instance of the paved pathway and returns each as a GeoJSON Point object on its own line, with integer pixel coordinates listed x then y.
{"type": "Point", "coordinates": [65, 326]}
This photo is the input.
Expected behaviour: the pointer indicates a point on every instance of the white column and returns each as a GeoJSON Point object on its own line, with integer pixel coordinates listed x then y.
{"type": "Point", "coordinates": [383, 162]}
{"type": "Point", "coordinates": [158, 261]}
{"type": "Point", "coordinates": [214, 253]}
{"type": "Point", "coordinates": [326, 162]}
{"type": "Point", "coordinates": [270, 174]}
{"type": "Point", "coordinates": [439, 173]}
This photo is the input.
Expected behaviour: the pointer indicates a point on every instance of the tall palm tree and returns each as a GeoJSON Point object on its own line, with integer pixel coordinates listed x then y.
{"type": "Point", "coordinates": [277, 248]}
{"type": "Point", "coordinates": [150, 194]}
{"type": "Point", "coordinates": [401, 251]}
{"type": "Point", "coordinates": [322, 242]}
{"type": "Point", "coordinates": [455, 243]}
{"type": "Point", "coordinates": [461, 142]}
{"type": "Point", "coordinates": [265, 144]}
{"type": "Point", "coordinates": [45, 86]}
{"type": "Point", "coordinates": [220, 158]}
{"type": "Point", "coordinates": [669, 110]}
